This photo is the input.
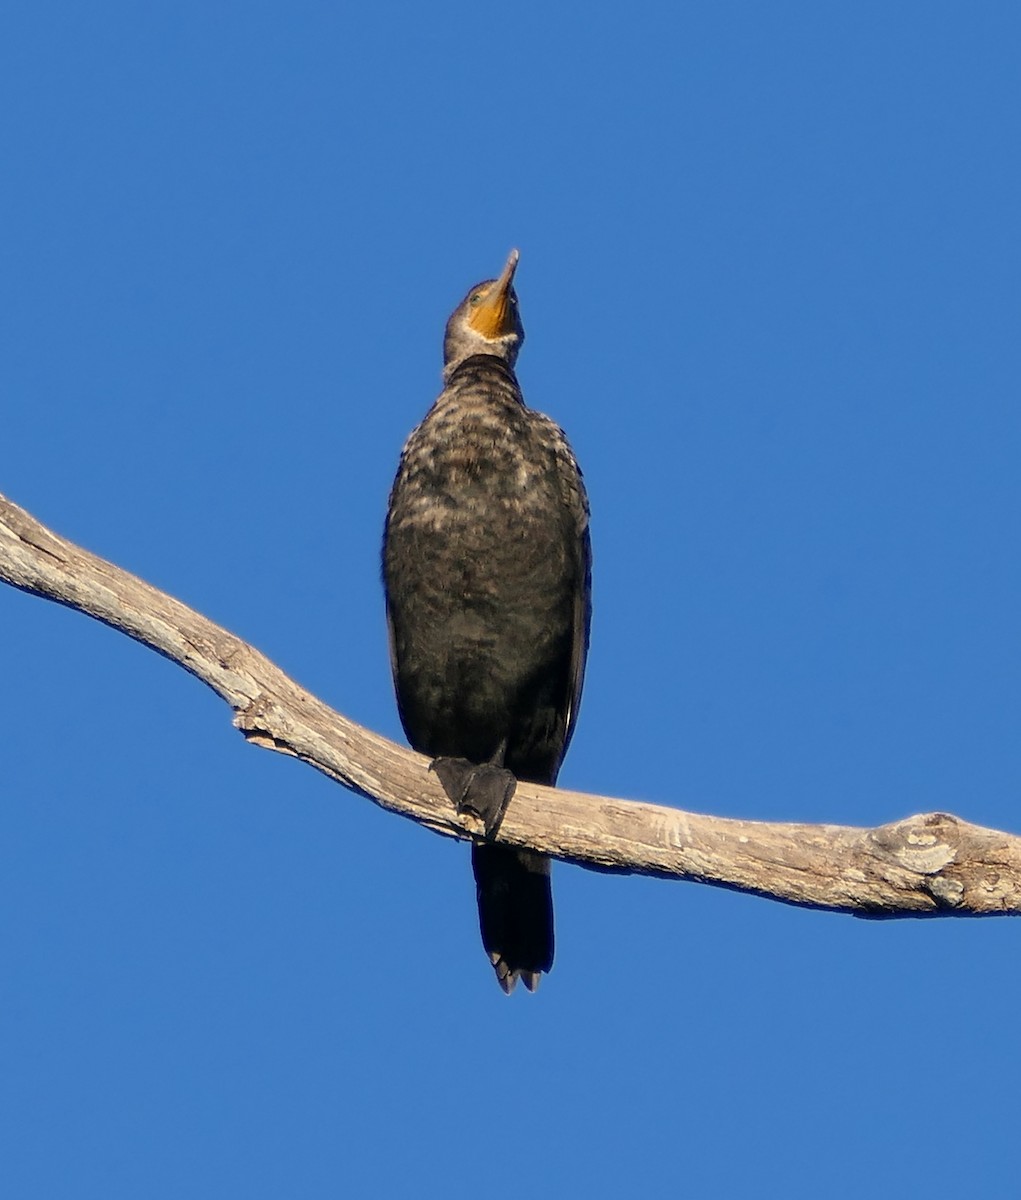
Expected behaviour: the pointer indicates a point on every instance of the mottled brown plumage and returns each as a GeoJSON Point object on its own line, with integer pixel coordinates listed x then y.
{"type": "Point", "coordinates": [486, 564]}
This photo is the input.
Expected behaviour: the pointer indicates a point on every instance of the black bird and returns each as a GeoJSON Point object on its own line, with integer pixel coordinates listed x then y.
{"type": "Point", "coordinates": [486, 564]}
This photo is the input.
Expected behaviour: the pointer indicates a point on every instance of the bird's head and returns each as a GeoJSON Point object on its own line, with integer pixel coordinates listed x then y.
{"type": "Point", "coordinates": [486, 321]}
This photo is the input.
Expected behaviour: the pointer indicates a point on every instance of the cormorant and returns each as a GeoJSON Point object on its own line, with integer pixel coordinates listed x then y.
{"type": "Point", "coordinates": [486, 565]}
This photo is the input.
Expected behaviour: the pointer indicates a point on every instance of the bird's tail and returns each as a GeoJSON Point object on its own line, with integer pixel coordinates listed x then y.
{"type": "Point", "coordinates": [515, 912]}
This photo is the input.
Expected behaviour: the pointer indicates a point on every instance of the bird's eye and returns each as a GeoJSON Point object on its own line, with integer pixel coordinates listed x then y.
{"type": "Point", "coordinates": [476, 299]}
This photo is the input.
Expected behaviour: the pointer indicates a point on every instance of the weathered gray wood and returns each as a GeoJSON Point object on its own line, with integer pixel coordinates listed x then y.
{"type": "Point", "coordinates": [928, 865]}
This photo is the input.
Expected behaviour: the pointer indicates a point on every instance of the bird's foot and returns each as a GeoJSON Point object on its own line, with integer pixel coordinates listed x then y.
{"type": "Point", "coordinates": [483, 790]}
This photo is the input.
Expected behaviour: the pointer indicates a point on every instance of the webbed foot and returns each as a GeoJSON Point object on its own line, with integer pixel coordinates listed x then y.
{"type": "Point", "coordinates": [483, 790]}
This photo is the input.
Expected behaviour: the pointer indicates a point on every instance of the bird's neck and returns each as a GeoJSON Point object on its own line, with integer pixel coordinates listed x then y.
{"type": "Point", "coordinates": [473, 364]}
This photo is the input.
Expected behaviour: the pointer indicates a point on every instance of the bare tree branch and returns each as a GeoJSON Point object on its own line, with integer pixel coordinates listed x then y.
{"type": "Point", "coordinates": [928, 865]}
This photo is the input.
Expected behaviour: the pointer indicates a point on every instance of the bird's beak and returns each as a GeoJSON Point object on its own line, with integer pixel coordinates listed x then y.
{"type": "Point", "coordinates": [494, 318]}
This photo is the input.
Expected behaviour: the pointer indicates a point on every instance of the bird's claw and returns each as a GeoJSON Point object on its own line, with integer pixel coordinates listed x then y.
{"type": "Point", "coordinates": [482, 790]}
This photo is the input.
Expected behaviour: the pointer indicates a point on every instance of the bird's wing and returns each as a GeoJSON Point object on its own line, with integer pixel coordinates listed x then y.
{"type": "Point", "coordinates": [576, 504]}
{"type": "Point", "coordinates": [579, 647]}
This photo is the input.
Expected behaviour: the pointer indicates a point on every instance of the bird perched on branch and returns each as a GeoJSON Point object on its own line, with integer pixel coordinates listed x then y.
{"type": "Point", "coordinates": [486, 564]}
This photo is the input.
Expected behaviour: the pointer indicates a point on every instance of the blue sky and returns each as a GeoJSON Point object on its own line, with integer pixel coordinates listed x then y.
{"type": "Point", "coordinates": [769, 275]}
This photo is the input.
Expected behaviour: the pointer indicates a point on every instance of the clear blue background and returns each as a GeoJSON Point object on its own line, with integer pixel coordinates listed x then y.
{"type": "Point", "coordinates": [770, 276]}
